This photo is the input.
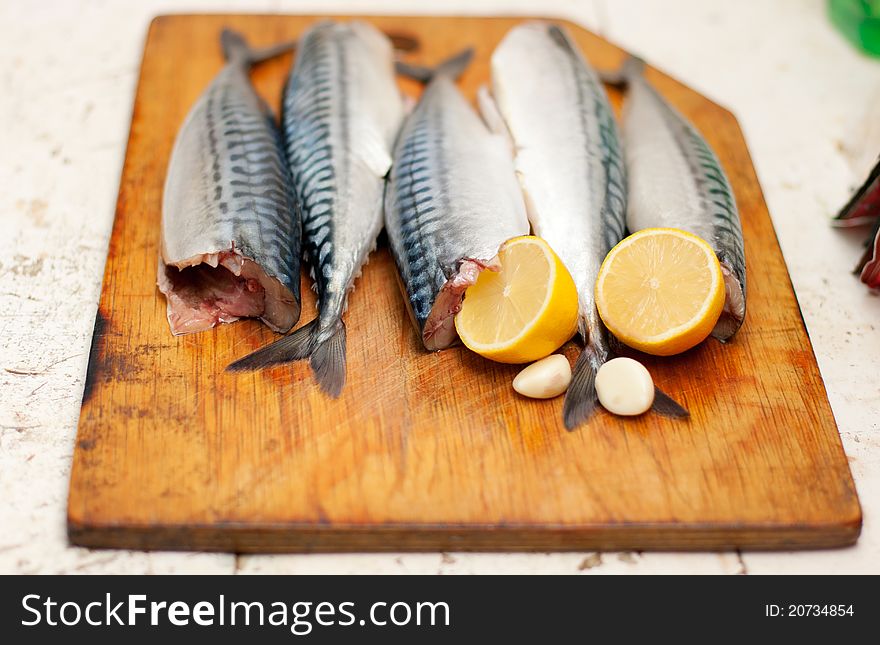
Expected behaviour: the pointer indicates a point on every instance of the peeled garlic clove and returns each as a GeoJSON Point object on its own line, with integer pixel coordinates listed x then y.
{"type": "Point", "coordinates": [544, 379]}
{"type": "Point", "coordinates": [625, 387]}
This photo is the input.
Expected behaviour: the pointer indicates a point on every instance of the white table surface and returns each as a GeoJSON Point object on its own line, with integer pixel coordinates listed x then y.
{"type": "Point", "coordinates": [67, 80]}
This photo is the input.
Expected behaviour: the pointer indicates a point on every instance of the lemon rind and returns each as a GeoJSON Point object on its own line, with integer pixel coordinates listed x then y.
{"type": "Point", "coordinates": [680, 330]}
{"type": "Point", "coordinates": [483, 348]}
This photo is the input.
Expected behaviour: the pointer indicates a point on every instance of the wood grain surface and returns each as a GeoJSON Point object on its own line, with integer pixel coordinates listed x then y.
{"type": "Point", "coordinates": [432, 450]}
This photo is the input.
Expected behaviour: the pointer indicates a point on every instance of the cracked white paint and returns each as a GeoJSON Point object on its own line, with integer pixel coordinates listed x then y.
{"type": "Point", "coordinates": [67, 80]}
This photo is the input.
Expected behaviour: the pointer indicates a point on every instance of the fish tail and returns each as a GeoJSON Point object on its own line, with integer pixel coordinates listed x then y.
{"type": "Point", "coordinates": [666, 406]}
{"type": "Point", "coordinates": [328, 361]}
{"type": "Point", "coordinates": [293, 347]}
{"type": "Point", "coordinates": [235, 47]}
{"type": "Point", "coordinates": [581, 397]}
{"type": "Point", "coordinates": [326, 356]}
{"type": "Point", "coordinates": [632, 67]}
{"type": "Point", "coordinates": [560, 36]}
{"type": "Point", "coordinates": [452, 67]}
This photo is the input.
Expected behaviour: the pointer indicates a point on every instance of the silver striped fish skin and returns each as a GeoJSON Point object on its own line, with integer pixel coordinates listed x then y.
{"type": "Point", "coordinates": [341, 112]}
{"type": "Point", "coordinates": [452, 199]}
{"type": "Point", "coordinates": [676, 181]}
{"type": "Point", "coordinates": [230, 241]}
{"type": "Point", "coordinates": [570, 163]}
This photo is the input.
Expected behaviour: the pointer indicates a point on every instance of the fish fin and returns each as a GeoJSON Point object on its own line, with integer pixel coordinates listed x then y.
{"type": "Point", "coordinates": [726, 327]}
{"type": "Point", "coordinates": [455, 65]}
{"type": "Point", "coordinates": [419, 73]}
{"type": "Point", "coordinates": [734, 311]}
{"type": "Point", "coordinates": [492, 117]}
{"type": "Point", "coordinates": [560, 36]}
{"type": "Point", "coordinates": [328, 362]}
{"type": "Point", "coordinates": [666, 406]}
{"type": "Point", "coordinates": [452, 67]}
{"type": "Point", "coordinates": [293, 347]}
{"type": "Point", "coordinates": [236, 47]}
{"type": "Point", "coordinates": [632, 67]}
{"type": "Point", "coordinates": [260, 54]}
{"type": "Point", "coordinates": [581, 397]}
{"type": "Point", "coordinates": [374, 154]}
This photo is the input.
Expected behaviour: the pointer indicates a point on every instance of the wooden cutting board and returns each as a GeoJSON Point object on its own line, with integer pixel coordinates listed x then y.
{"type": "Point", "coordinates": [432, 450]}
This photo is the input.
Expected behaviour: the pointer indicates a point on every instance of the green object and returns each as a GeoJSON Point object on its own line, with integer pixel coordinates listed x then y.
{"type": "Point", "coordinates": [859, 21]}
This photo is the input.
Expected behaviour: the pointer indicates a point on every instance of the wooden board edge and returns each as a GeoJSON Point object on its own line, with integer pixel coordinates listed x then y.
{"type": "Point", "coordinates": [854, 501]}
{"type": "Point", "coordinates": [308, 538]}
{"type": "Point", "coordinates": [825, 400]}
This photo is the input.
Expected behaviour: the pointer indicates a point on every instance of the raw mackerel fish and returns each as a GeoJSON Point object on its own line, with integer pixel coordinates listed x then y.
{"type": "Point", "coordinates": [230, 232]}
{"type": "Point", "coordinates": [569, 162]}
{"type": "Point", "coordinates": [452, 199]}
{"type": "Point", "coordinates": [341, 112]}
{"type": "Point", "coordinates": [676, 181]}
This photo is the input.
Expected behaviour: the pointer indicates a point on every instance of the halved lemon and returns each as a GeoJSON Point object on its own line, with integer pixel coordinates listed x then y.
{"type": "Point", "coordinates": [660, 290]}
{"type": "Point", "coordinates": [523, 312]}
